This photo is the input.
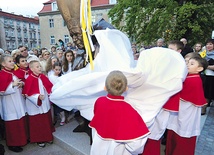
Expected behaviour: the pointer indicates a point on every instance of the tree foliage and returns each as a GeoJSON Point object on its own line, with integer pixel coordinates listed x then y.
{"type": "Point", "coordinates": [147, 20]}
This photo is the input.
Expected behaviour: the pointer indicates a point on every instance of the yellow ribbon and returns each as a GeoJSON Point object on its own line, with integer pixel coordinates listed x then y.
{"type": "Point", "coordinates": [203, 54]}
{"type": "Point", "coordinates": [86, 25]}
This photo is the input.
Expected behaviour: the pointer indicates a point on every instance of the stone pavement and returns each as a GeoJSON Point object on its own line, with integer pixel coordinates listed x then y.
{"type": "Point", "coordinates": [205, 143]}
{"type": "Point", "coordinates": [68, 143]}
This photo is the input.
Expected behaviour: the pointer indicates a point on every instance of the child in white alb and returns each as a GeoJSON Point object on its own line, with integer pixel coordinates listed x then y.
{"type": "Point", "coordinates": [37, 88]}
{"type": "Point", "coordinates": [184, 127]}
{"type": "Point", "coordinates": [57, 68]}
{"type": "Point", "coordinates": [117, 126]}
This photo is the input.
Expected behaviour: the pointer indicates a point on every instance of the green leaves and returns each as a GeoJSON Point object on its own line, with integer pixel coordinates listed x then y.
{"type": "Point", "coordinates": [147, 20]}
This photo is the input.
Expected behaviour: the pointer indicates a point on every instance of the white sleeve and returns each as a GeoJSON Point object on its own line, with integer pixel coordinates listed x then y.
{"type": "Point", "coordinates": [10, 90]}
{"type": "Point", "coordinates": [33, 99]}
{"type": "Point", "coordinates": [137, 146]}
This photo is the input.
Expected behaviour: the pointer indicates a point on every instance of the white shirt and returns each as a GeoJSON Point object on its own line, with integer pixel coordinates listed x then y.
{"type": "Point", "coordinates": [69, 69]}
{"type": "Point", "coordinates": [53, 78]}
{"type": "Point", "coordinates": [51, 72]}
{"type": "Point", "coordinates": [12, 103]}
{"type": "Point", "coordinates": [31, 102]}
{"type": "Point", "coordinates": [186, 123]}
{"type": "Point", "coordinates": [110, 147]}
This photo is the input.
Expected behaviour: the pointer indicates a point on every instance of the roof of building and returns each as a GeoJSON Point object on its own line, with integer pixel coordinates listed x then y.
{"type": "Point", "coordinates": [99, 2]}
{"type": "Point", "coordinates": [47, 6]}
{"type": "Point", "coordinates": [50, 1]}
{"type": "Point", "coordinates": [94, 3]}
{"type": "Point", "coordinates": [34, 20]}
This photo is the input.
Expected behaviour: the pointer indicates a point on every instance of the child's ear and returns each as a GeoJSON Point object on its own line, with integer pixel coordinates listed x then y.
{"type": "Point", "coordinates": [3, 64]}
{"type": "Point", "coordinates": [105, 88]}
{"type": "Point", "coordinates": [179, 51]}
{"type": "Point", "coordinates": [127, 88]}
{"type": "Point", "coordinates": [200, 69]}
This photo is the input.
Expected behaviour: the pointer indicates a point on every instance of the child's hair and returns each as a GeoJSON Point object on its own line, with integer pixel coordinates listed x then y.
{"type": "Point", "coordinates": [15, 52]}
{"type": "Point", "coordinates": [58, 49]}
{"type": "Point", "coordinates": [42, 50]}
{"type": "Point", "coordinates": [39, 55]}
{"type": "Point", "coordinates": [201, 61]}
{"type": "Point", "coordinates": [32, 63]}
{"type": "Point", "coordinates": [192, 54]}
{"type": "Point", "coordinates": [65, 61]}
{"type": "Point", "coordinates": [3, 57]}
{"type": "Point", "coordinates": [116, 83]}
{"type": "Point", "coordinates": [178, 44]}
{"type": "Point", "coordinates": [49, 65]}
{"type": "Point", "coordinates": [18, 57]}
{"type": "Point", "coordinates": [57, 64]}
{"type": "Point", "coordinates": [210, 41]}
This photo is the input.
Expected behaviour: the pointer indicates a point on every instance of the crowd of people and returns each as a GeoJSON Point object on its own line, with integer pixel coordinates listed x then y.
{"type": "Point", "coordinates": [206, 52]}
{"type": "Point", "coordinates": [178, 125]}
{"type": "Point", "coordinates": [27, 78]}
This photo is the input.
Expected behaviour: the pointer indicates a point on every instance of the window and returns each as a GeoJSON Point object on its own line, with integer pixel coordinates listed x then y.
{"type": "Point", "coordinates": [11, 22]}
{"type": "Point", "coordinates": [6, 33]}
{"type": "Point", "coordinates": [93, 18]}
{"type": "Point", "coordinates": [18, 23]}
{"type": "Point", "coordinates": [12, 33]}
{"type": "Point", "coordinates": [19, 42]}
{"type": "Point", "coordinates": [64, 23]}
{"type": "Point", "coordinates": [99, 15]}
{"type": "Point", "coordinates": [5, 21]}
{"type": "Point", "coordinates": [66, 38]}
{"type": "Point", "coordinates": [19, 34]}
{"type": "Point", "coordinates": [25, 35]}
{"type": "Point", "coordinates": [51, 23]}
{"type": "Point", "coordinates": [54, 6]}
{"type": "Point", "coordinates": [24, 25]}
{"type": "Point", "coordinates": [52, 40]}
{"type": "Point", "coordinates": [110, 20]}
{"type": "Point", "coordinates": [13, 45]}
{"type": "Point", "coordinates": [8, 45]}
{"type": "Point", "coordinates": [112, 1]}
{"type": "Point", "coordinates": [34, 35]}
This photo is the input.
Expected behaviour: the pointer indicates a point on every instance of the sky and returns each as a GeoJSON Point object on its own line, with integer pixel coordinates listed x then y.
{"type": "Point", "coordinates": [22, 7]}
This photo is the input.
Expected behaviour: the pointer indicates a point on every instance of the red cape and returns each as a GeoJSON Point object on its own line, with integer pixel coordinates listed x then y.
{"type": "Point", "coordinates": [173, 103]}
{"type": "Point", "coordinates": [20, 73]}
{"type": "Point", "coordinates": [31, 86]}
{"type": "Point", "coordinates": [6, 77]}
{"type": "Point", "coordinates": [115, 119]}
{"type": "Point", "coordinates": [193, 90]}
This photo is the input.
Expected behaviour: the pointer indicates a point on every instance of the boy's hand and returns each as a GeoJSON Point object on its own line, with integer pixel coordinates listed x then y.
{"type": "Point", "coordinates": [16, 82]}
{"type": "Point", "coordinates": [41, 97]}
{"type": "Point", "coordinates": [20, 84]}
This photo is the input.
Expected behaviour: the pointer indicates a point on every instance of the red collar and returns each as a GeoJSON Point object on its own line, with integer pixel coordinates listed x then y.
{"type": "Point", "coordinates": [7, 71]}
{"type": "Point", "coordinates": [116, 98]}
{"type": "Point", "coordinates": [6, 77]}
{"type": "Point", "coordinates": [23, 69]}
{"type": "Point", "coordinates": [35, 76]}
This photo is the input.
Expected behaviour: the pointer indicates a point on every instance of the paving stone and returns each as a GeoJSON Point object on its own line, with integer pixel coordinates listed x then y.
{"type": "Point", "coordinates": [64, 138]}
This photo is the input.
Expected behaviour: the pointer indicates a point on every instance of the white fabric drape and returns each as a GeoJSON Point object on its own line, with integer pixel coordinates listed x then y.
{"type": "Point", "coordinates": [159, 74]}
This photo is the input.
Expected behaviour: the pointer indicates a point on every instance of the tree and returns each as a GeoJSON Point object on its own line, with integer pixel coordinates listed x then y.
{"type": "Point", "coordinates": [148, 20]}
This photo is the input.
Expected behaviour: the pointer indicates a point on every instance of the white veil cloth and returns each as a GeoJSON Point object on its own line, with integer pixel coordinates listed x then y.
{"type": "Point", "coordinates": [158, 74]}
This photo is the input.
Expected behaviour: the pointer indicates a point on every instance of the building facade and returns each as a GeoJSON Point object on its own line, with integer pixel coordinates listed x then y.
{"type": "Point", "coordinates": [53, 27]}
{"type": "Point", "coordinates": [16, 30]}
